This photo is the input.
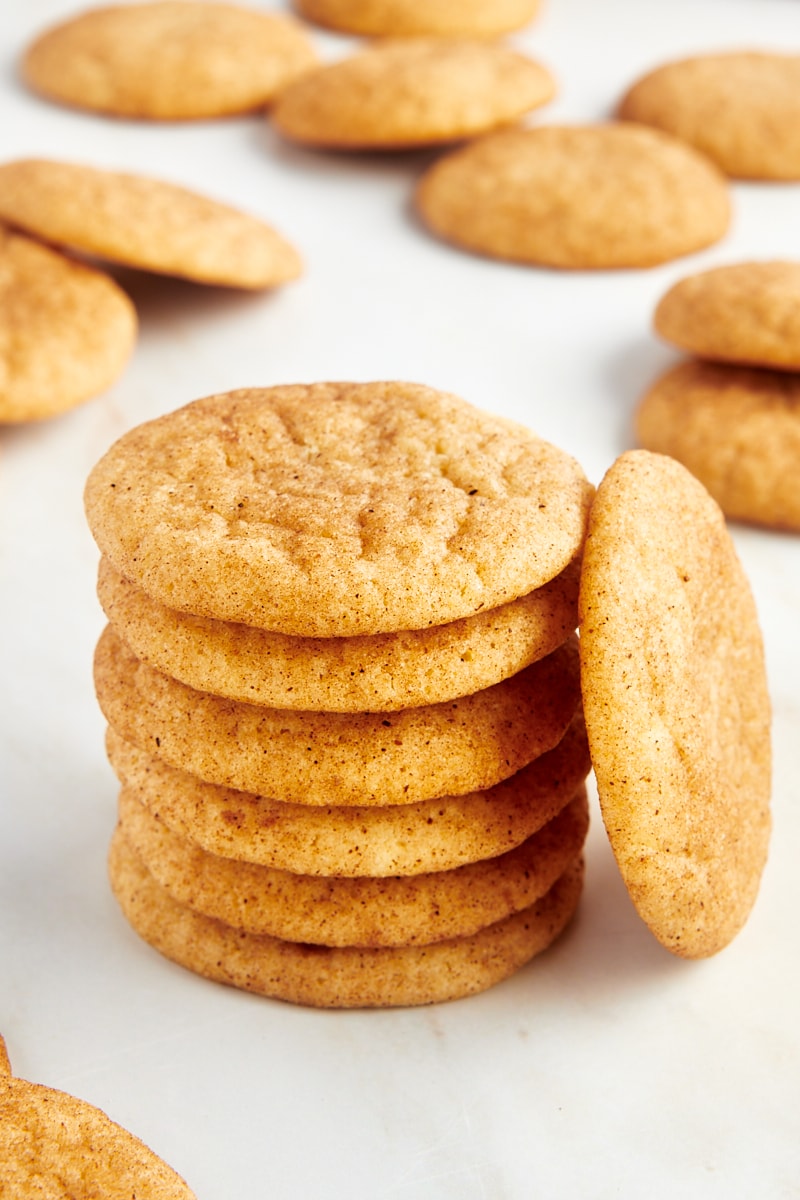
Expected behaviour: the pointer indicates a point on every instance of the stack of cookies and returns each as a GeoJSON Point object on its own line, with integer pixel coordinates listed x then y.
{"type": "Point", "coordinates": [731, 414]}
{"type": "Point", "coordinates": [343, 690]}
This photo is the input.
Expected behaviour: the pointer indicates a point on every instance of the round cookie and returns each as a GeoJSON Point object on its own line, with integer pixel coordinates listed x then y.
{"type": "Point", "coordinates": [409, 18]}
{"type": "Point", "coordinates": [579, 197]}
{"type": "Point", "coordinates": [372, 673]}
{"type": "Point", "coordinates": [745, 313]}
{"type": "Point", "coordinates": [66, 330]}
{"type": "Point", "coordinates": [144, 223]}
{"type": "Point", "coordinates": [341, 758]}
{"type": "Point", "coordinates": [737, 430]}
{"type": "Point", "coordinates": [336, 977]}
{"type": "Point", "coordinates": [407, 839]}
{"type": "Point", "coordinates": [401, 94]}
{"type": "Point", "coordinates": [333, 510]}
{"type": "Point", "coordinates": [676, 703]}
{"type": "Point", "coordinates": [53, 1144]}
{"type": "Point", "coordinates": [409, 910]}
{"type": "Point", "coordinates": [742, 109]}
{"type": "Point", "coordinates": [168, 60]}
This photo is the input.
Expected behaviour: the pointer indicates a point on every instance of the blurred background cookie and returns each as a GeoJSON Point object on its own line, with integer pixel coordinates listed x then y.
{"type": "Point", "coordinates": [403, 18]}
{"type": "Point", "coordinates": [168, 61]}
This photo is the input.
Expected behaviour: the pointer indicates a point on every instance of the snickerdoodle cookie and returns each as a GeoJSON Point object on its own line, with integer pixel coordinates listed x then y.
{"type": "Point", "coordinates": [404, 18]}
{"type": "Point", "coordinates": [676, 702]}
{"type": "Point", "coordinates": [168, 61]}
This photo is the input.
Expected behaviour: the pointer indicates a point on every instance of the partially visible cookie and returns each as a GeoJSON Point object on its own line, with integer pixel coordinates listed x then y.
{"type": "Point", "coordinates": [744, 313]}
{"type": "Point", "coordinates": [144, 223]}
{"type": "Point", "coordinates": [603, 196]}
{"type": "Point", "coordinates": [372, 673]}
{"type": "Point", "coordinates": [336, 509]}
{"type": "Point", "coordinates": [399, 94]}
{"type": "Point", "coordinates": [405, 839]}
{"type": "Point", "coordinates": [409, 18]}
{"type": "Point", "coordinates": [338, 977]}
{"type": "Point", "coordinates": [737, 430]}
{"type": "Point", "coordinates": [341, 758]}
{"type": "Point", "coordinates": [742, 109]}
{"type": "Point", "coordinates": [676, 703]}
{"type": "Point", "coordinates": [54, 1145]}
{"type": "Point", "coordinates": [66, 330]}
{"type": "Point", "coordinates": [411, 910]}
{"type": "Point", "coordinates": [168, 61]}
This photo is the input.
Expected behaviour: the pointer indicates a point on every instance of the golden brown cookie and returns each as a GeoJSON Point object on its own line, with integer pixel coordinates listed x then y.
{"type": "Point", "coordinates": [407, 839]}
{"type": "Point", "coordinates": [336, 977]}
{"type": "Point", "coordinates": [54, 1145]}
{"type": "Point", "coordinates": [409, 18]}
{"type": "Point", "coordinates": [336, 509]}
{"type": "Point", "coordinates": [742, 109]}
{"type": "Point", "coordinates": [410, 910]}
{"type": "Point", "coordinates": [737, 430]}
{"type": "Point", "coordinates": [602, 196]}
{"type": "Point", "coordinates": [373, 673]}
{"type": "Point", "coordinates": [341, 758]}
{"type": "Point", "coordinates": [144, 223]}
{"type": "Point", "coordinates": [676, 703]}
{"type": "Point", "coordinates": [423, 91]}
{"type": "Point", "coordinates": [745, 313]}
{"type": "Point", "coordinates": [66, 330]}
{"type": "Point", "coordinates": [168, 61]}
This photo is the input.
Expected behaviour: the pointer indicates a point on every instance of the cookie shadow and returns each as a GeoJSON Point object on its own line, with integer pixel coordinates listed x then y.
{"type": "Point", "coordinates": [160, 298]}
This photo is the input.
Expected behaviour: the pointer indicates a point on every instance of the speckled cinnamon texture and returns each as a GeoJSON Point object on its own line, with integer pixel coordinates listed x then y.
{"type": "Point", "coordinates": [373, 673]}
{"type": "Point", "coordinates": [743, 313]}
{"type": "Point", "coordinates": [403, 18]}
{"type": "Point", "coordinates": [144, 223]}
{"type": "Point", "coordinates": [336, 509]}
{"type": "Point", "coordinates": [416, 92]}
{"type": "Point", "coordinates": [737, 430]}
{"type": "Point", "coordinates": [168, 61]}
{"type": "Point", "coordinates": [66, 330]}
{"type": "Point", "coordinates": [53, 1144]}
{"type": "Point", "coordinates": [412, 910]}
{"type": "Point", "coordinates": [336, 977]}
{"type": "Point", "coordinates": [580, 197]}
{"type": "Point", "coordinates": [676, 703]}
{"type": "Point", "coordinates": [341, 758]}
{"type": "Point", "coordinates": [742, 109]}
{"type": "Point", "coordinates": [407, 839]}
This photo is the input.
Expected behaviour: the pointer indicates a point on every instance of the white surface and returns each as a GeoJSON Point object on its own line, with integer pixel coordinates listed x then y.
{"type": "Point", "coordinates": [607, 1068]}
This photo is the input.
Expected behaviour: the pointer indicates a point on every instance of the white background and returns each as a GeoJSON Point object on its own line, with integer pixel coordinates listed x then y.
{"type": "Point", "coordinates": [605, 1069]}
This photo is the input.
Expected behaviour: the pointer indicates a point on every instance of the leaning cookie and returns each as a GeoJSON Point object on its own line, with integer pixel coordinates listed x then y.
{"type": "Point", "coordinates": [68, 330]}
{"type": "Point", "coordinates": [353, 841]}
{"type": "Point", "coordinates": [144, 223]}
{"type": "Point", "coordinates": [338, 977]}
{"type": "Point", "coordinates": [742, 109]}
{"type": "Point", "coordinates": [409, 18]}
{"type": "Point", "coordinates": [746, 313]}
{"type": "Point", "coordinates": [579, 197]}
{"type": "Point", "coordinates": [168, 61]}
{"type": "Point", "coordinates": [737, 430]}
{"type": "Point", "coordinates": [400, 94]}
{"type": "Point", "coordinates": [676, 703]}
{"type": "Point", "coordinates": [54, 1145]}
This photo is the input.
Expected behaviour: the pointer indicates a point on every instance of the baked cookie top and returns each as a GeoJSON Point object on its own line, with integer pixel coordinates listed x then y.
{"type": "Point", "coordinates": [742, 109]}
{"type": "Point", "coordinates": [54, 1144]}
{"type": "Point", "coordinates": [416, 92]}
{"type": "Point", "coordinates": [336, 509]}
{"type": "Point", "coordinates": [144, 223]}
{"type": "Point", "coordinates": [404, 18]}
{"type": "Point", "coordinates": [66, 330]}
{"type": "Point", "coordinates": [169, 61]}
{"type": "Point", "coordinates": [676, 703]}
{"type": "Point", "coordinates": [737, 429]}
{"type": "Point", "coordinates": [598, 196]}
{"type": "Point", "coordinates": [744, 313]}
